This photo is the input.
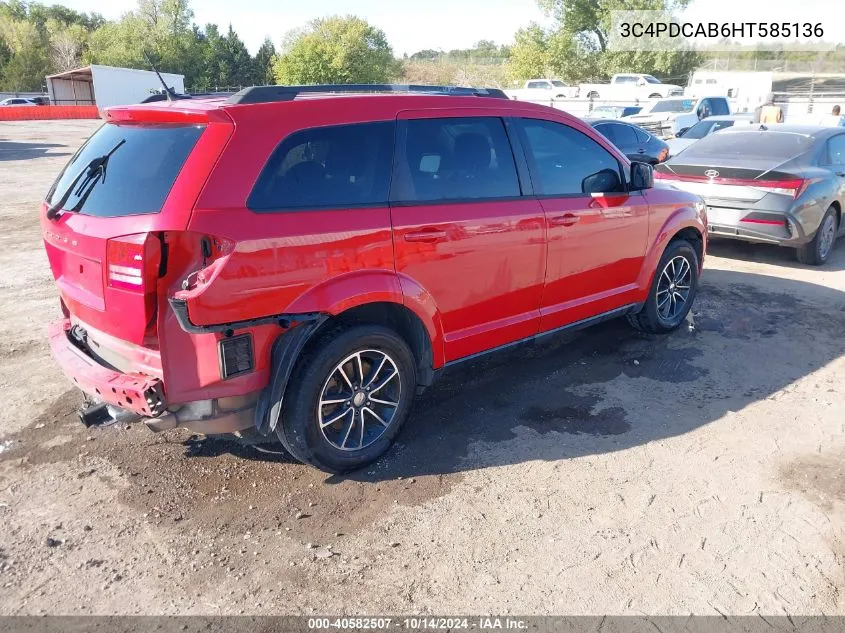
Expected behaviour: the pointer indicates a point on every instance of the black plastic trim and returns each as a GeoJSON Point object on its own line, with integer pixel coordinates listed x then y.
{"type": "Point", "coordinates": [269, 94]}
{"type": "Point", "coordinates": [631, 308]}
{"type": "Point", "coordinates": [286, 351]}
{"type": "Point", "coordinates": [180, 309]}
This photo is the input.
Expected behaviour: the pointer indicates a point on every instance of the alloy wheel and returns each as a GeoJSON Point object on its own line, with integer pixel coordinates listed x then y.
{"type": "Point", "coordinates": [673, 288]}
{"type": "Point", "coordinates": [359, 400]}
{"type": "Point", "coordinates": [828, 233]}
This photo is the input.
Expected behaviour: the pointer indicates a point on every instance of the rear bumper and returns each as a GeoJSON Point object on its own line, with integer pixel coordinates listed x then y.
{"type": "Point", "coordinates": [133, 392]}
{"type": "Point", "coordinates": [143, 395]}
{"type": "Point", "coordinates": [777, 228]}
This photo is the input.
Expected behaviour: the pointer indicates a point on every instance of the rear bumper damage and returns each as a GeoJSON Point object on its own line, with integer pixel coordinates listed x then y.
{"type": "Point", "coordinates": [117, 396]}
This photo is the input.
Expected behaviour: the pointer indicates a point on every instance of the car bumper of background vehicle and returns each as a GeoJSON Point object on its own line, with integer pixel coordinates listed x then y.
{"type": "Point", "coordinates": [137, 393]}
{"type": "Point", "coordinates": [779, 229]}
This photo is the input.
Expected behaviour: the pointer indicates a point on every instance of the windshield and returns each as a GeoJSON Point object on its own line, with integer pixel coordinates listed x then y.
{"type": "Point", "coordinates": [778, 146]}
{"type": "Point", "coordinates": [139, 175]}
{"type": "Point", "coordinates": [673, 105]}
{"type": "Point", "coordinates": [651, 80]}
{"type": "Point", "coordinates": [559, 84]}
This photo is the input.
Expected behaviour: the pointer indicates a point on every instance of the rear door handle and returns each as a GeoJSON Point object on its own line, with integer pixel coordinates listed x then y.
{"type": "Point", "coordinates": [567, 219]}
{"type": "Point", "coordinates": [428, 235]}
{"type": "Point", "coordinates": [641, 151]}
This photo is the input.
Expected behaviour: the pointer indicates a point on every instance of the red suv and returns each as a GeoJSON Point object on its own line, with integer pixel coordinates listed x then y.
{"type": "Point", "coordinates": [300, 261]}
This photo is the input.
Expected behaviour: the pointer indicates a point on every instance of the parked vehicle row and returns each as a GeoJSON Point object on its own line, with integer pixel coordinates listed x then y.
{"type": "Point", "coordinates": [670, 117]}
{"type": "Point", "coordinates": [272, 263]}
{"type": "Point", "coordinates": [705, 127]}
{"type": "Point", "coordinates": [630, 87]}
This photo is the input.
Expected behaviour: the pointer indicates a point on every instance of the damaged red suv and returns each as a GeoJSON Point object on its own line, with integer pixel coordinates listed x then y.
{"type": "Point", "coordinates": [299, 262]}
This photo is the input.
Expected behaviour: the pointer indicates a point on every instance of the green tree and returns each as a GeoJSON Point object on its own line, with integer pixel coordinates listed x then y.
{"type": "Point", "coordinates": [336, 50]}
{"type": "Point", "coordinates": [263, 71]}
{"type": "Point", "coordinates": [582, 34]}
{"type": "Point", "coordinates": [29, 62]}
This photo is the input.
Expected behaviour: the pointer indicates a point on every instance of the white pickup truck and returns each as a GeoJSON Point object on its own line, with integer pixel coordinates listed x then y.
{"type": "Point", "coordinates": [666, 117]}
{"type": "Point", "coordinates": [629, 87]}
{"type": "Point", "coordinates": [543, 90]}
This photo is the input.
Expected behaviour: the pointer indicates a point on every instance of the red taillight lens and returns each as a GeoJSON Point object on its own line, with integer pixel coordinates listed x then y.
{"type": "Point", "coordinates": [791, 186]}
{"type": "Point", "coordinates": [132, 262]}
{"type": "Point", "coordinates": [664, 154]}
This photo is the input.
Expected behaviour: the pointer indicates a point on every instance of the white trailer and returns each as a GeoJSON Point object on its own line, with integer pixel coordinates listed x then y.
{"type": "Point", "coordinates": [106, 86]}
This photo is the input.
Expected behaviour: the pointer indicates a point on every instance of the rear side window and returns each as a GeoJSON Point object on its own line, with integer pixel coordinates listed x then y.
{"type": "Point", "coordinates": [567, 162]}
{"type": "Point", "coordinates": [836, 150]}
{"type": "Point", "coordinates": [144, 163]}
{"type": "Point", "coordinates": [464, 158]}
{"type": "Point", "coordinates": [328, 167]}
{"type": "Point", "coordinates": [623, 135]}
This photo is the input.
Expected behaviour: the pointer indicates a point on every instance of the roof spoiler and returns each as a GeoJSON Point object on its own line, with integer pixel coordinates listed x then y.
{"type": "Point", "coordinates": [269, 94]}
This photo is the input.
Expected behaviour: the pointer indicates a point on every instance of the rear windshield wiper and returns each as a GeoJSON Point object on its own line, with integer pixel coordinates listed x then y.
{"type": "Point", "coordinates": [91, 174]}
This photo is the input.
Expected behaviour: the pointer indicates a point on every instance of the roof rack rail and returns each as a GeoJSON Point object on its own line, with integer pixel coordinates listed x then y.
{"type": "Point", "coordinates": [267, 94]}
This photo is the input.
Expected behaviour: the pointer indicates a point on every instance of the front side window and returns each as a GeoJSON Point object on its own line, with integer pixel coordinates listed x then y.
{"type": "Point", "coordinates": [566, 162]}
{"type": "Point", "coordinates": [466, 158]}
{"type": "Point", "coordinates": [720, 107]}
{"type": "Point", "coordinates": [328, 167]}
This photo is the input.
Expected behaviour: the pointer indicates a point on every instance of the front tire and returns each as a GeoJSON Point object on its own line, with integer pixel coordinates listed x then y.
{"type": "Point", "coordinates": [348, 398]}
{"type": "Point", "coordinates": [672, 291]}
{"type": "Point", "coordinates": [817, 251]}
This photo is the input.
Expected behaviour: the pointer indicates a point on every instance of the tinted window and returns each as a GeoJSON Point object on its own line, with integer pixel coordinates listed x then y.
{"type": "Point", "coordinates": [719, 107]}
{"type": "Point", "coordinates": [139, 174]}
{"type": "Point", "coordinates": [339, 166]}
{"type": "Point", "coordinates": [642, 135]}
{"type": "Point", "coordinates": [537, 84]}
{"type": "Point", "coordinates": [626, 79]}
{"type": "Point", "coordinates": [778, 146]}
{"type": "Point", "coordinates": [625, 135]}
{"type": "Point", "coordinates": [455, 159]}
{"type": "Point", "coordinates": [651, 80]}
{"type": "Point", "coordinates": [836, 150]}
{"type": "Point", "coordinates": [567, 162]}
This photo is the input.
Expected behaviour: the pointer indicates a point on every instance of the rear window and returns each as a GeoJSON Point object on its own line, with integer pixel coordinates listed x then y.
{"type": "Point", "coordinates": [328, 167]}
{"type": "Point", "coordinates": [138, 175]}
{"type": "Point", "coordinates": [758, 144]}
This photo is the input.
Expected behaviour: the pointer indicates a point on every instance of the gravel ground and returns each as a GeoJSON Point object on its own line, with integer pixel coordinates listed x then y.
{"type": "Point", "coordinates": [604, 472]}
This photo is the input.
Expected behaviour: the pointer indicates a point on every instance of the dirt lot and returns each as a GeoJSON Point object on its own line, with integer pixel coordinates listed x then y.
{"type": "Point", "coordinates": [607, 472]}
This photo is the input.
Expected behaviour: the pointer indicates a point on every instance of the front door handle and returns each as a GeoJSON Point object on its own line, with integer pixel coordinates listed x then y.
{"type": "Point", "coordinates": [428, 235]}
{"type": "Point", "coordinates": [567, 219]}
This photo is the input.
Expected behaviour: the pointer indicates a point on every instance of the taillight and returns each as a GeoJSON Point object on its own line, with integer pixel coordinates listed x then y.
{"type": "Point", "coordinates": [132, 262]}
{"type": "Point", "coordinates": [664, 154]}
{"type": "Point", "coordinates": [789, 186]}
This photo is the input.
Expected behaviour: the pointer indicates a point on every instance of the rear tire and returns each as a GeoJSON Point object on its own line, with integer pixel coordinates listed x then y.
{"type": "Point", "coordinates": [672, 291]}
{"type": "Point", "coordinates": [344, 406]}
{"type": "Point", "coordinates": [818, 250]}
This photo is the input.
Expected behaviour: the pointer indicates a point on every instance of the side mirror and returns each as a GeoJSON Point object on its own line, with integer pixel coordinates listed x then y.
{"type": "Point", "coordinates": [642, 176]}
{"type": "Point", "coordinates": [604, 181]}
{"type": "Point", "coordinates": [682, 131]}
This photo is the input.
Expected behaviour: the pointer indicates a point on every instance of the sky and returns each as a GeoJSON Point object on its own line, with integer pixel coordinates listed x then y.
{"type": "Point", "coordinates": [436, 24]}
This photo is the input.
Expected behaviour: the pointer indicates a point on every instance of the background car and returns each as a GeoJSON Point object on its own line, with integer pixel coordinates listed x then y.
{"type": "Point", "coordinates": [635, 143]}
{"type": "Point", "coordinates": [703, 128]}
{"type": "Point", "coordinates": [17, 101]}
{"type": "Point", "coordinates": [613, 111]}
{"type": "Point", "coordinates": [782, 184]}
